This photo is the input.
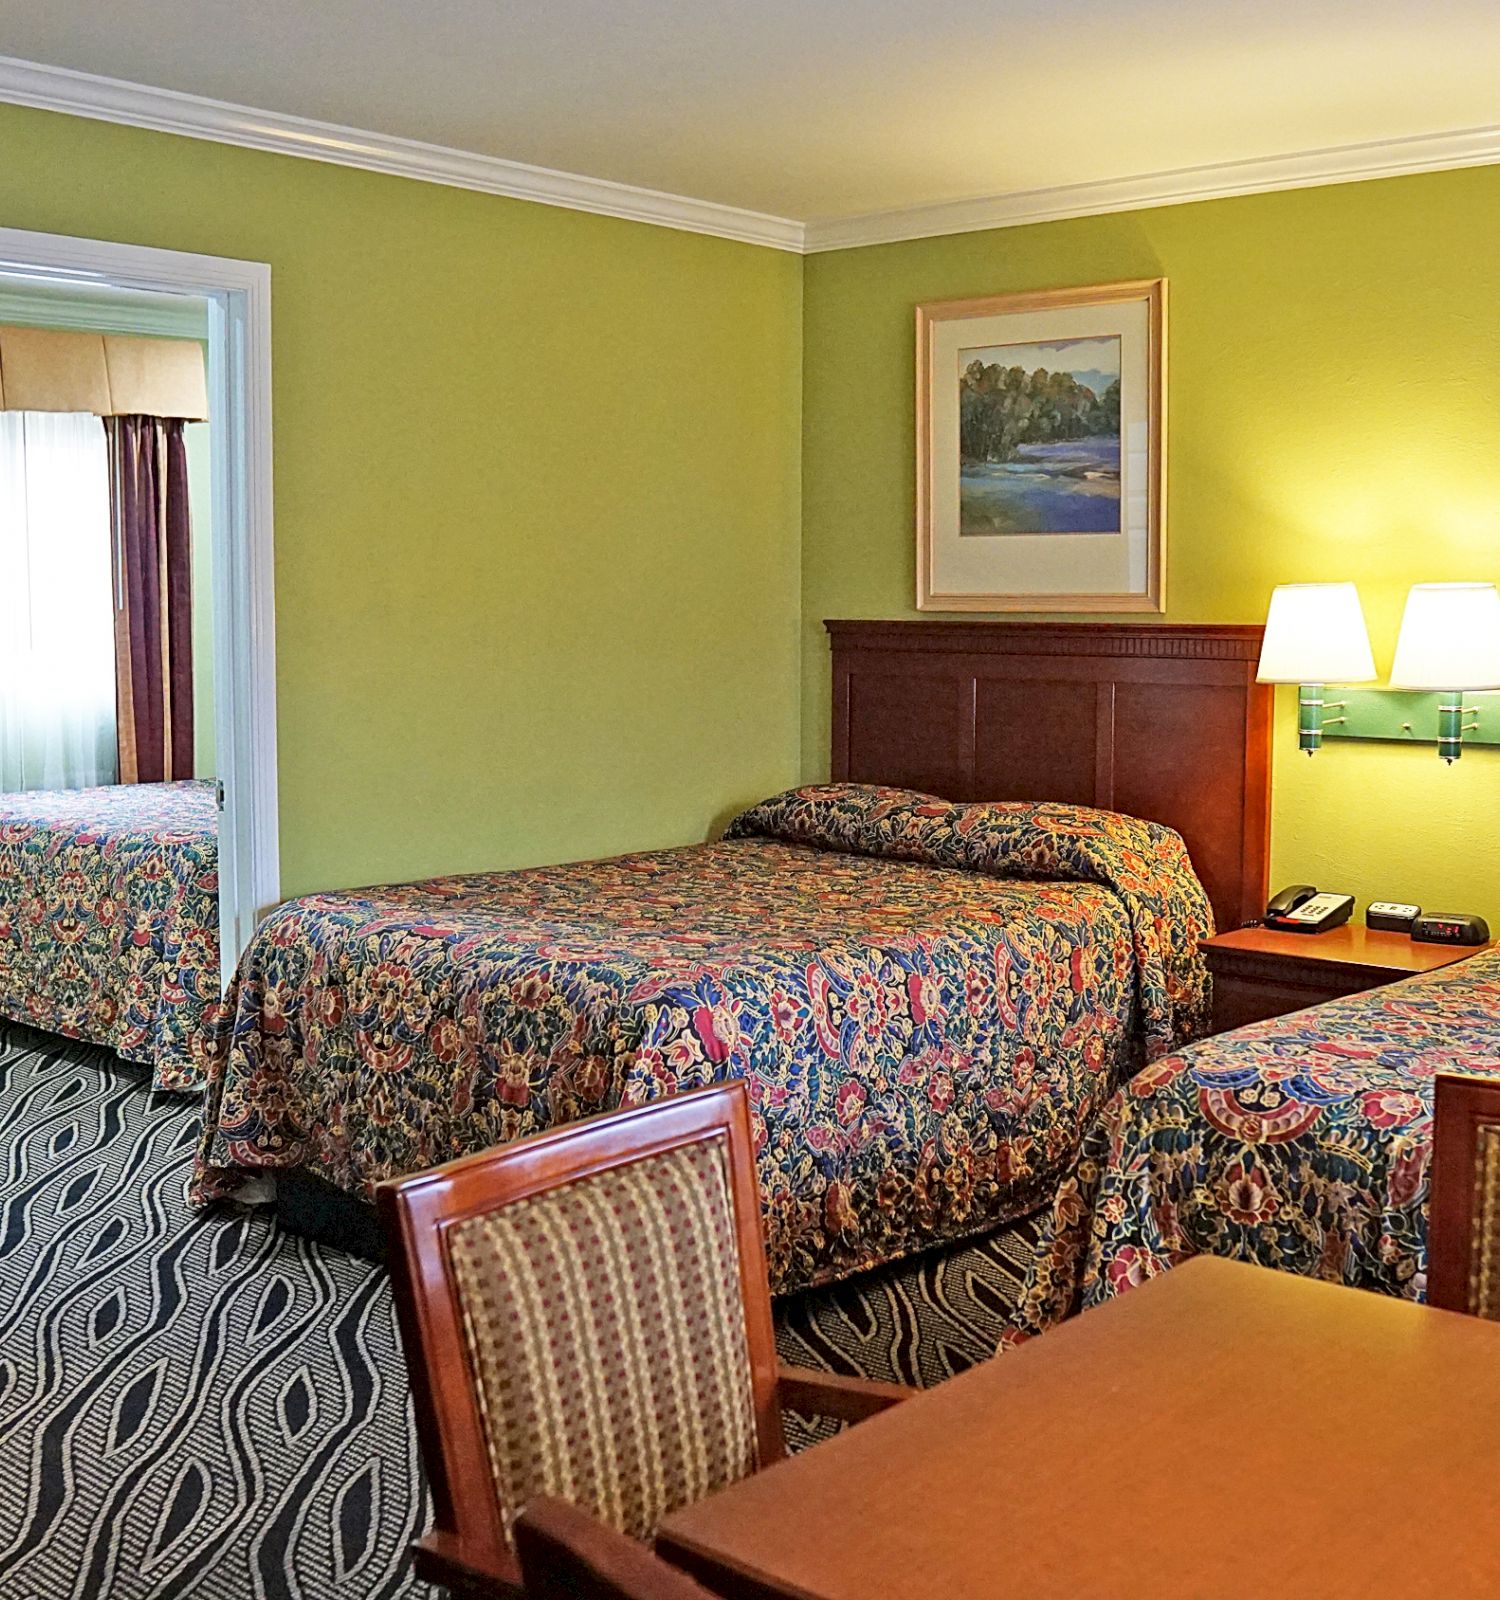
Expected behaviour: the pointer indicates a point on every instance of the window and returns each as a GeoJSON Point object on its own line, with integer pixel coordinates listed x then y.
{"type": "Point", "coordinates": [57, 632]}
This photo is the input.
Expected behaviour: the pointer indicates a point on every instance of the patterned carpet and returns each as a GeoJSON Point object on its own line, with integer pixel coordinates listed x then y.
{"type": "Point", "coordinates": [201, 1404]}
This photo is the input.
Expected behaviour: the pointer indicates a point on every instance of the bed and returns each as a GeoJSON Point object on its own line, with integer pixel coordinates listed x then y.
{"type": "Point", "coordinates": [109, 919]}
{"type": "Point", "coordinates": [929, 998]}
{"type": "Point", "coordinates": [1303, 1143]}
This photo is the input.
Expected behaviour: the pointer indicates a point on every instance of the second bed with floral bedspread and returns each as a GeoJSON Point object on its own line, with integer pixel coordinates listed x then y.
{"type": "Point", "coordinates": [928, 1002]}
{"type": "Point", "coordinates": [1303, 1143]}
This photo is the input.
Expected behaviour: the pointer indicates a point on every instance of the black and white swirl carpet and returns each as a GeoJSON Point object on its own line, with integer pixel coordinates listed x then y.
{"type": "Point", "coordinates": [200, 1404]}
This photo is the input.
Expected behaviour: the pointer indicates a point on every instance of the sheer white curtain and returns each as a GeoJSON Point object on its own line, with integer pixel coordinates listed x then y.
{"type": "Point", "coordinates": [57, 630]}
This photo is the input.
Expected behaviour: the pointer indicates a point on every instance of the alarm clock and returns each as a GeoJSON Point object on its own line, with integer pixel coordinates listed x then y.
{"type": "Point", "coordinates": [1450, 927]}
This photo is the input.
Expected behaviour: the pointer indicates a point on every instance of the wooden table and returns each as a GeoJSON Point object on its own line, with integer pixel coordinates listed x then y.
{"type": "Point", "coordinates": [1221, 1431]}
{"type": "Point", "coordinates": [1266, 972]}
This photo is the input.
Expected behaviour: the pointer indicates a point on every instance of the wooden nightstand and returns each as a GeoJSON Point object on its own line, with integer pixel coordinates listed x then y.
{"type": "Point", "coordinates": [1263, 972]}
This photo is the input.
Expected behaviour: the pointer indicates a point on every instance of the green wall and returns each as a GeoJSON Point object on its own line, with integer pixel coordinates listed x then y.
{"type": "Point", "coordinates": [537, 497]}
{"type": "Point", "coordinates": [1334, 412]}
{"type": "Point", "coordinates": [539, 478]}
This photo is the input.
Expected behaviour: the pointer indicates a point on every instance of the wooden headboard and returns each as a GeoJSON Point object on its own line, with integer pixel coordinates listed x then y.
{"type": "Point", "coordinates": [1160, 721]}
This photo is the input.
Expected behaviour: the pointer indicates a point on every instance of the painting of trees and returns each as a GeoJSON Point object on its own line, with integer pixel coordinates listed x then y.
{"type": "Point", "coordinates": [1002, 408]}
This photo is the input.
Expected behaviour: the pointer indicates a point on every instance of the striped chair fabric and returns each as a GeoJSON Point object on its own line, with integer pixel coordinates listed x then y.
{"type": "Point", "coordinates": [1484, 1258]}
{"type": "Point", "coordinates": [606, 1329]}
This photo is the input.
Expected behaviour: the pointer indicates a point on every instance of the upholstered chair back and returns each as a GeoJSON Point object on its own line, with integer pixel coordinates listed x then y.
{"type": "Point", "coordinates": [586, 1317]}
{"type": "Point", "coordinates": [606, 1338]}
{"type": "Point", "coordinates": [1484, 1254]}
{"type": "Point", "coordinates": [1464, 1213]}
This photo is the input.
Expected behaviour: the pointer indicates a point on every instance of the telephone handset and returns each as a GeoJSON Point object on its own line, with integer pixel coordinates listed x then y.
{"type": "Point", "coordinates": [1300, 908]}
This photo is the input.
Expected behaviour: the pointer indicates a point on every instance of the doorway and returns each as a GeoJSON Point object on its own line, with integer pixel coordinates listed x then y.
{"type": "Point", "coordinates": [237, 295]}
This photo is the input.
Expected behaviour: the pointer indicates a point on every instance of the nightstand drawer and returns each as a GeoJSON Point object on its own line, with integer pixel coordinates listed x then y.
{"type": "Point", "coordinates": [1264, 972]}
{"type": "Point", "coordinates": [1239, 1000]}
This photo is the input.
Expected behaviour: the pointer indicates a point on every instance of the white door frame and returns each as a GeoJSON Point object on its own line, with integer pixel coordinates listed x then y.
{"type": "Point", "coordinates": [239, 391]}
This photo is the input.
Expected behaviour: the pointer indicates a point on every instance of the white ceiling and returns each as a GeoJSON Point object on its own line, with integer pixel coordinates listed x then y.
{"type": "Point", "coordinates": [815, 108]}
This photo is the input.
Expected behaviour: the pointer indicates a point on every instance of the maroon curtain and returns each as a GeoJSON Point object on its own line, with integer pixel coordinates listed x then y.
{"type": "Point", "coordinates": [153, 598]}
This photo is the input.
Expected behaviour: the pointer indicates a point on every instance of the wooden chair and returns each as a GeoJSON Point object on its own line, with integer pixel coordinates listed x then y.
{"type": "Point", "coordinates": [566, 1554]}
{"type": "Point", "coordinates": [586, 1315]}
{"type": "Point", "coordinates": [1463, 1216]}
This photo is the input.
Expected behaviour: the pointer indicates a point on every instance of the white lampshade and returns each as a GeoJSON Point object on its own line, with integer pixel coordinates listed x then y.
{"type": "Point", "coordinates": [1315, 633]}
{"type": "Point", "coordinates": [1449, 639]}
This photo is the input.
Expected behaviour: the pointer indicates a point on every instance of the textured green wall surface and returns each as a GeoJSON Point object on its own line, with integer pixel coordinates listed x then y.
{"type": "Point", "coordinates": [1334, 412]}
{"type": "Point", "coordinates": [539, 478]}
{"type": "Point", "coordinates": [537, 500]}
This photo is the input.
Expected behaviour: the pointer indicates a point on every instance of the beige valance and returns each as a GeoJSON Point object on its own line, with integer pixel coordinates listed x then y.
{"type": "Point", "coordinates": [110, 374]}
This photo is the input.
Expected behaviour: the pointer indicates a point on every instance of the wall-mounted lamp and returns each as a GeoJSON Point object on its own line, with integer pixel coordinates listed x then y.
{"type": "Point", "coordinates": [1449, 642]}
{"type": "Point", "coordinates": [1315, 635]}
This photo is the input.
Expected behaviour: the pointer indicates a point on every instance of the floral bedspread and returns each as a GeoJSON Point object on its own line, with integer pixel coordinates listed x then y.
{"type": "Point", "coordinates": [1302, 1143]}
{"type": "Point", "coordinates": [928, 1001]}
{"type": "Point", "coordinates": [109, 919]}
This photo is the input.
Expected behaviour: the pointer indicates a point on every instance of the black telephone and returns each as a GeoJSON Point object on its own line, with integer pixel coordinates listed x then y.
{"type": "Point", "coordinates": [1300, 908]}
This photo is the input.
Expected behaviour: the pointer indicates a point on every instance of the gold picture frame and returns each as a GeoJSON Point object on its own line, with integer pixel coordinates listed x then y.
{"type": "Point", "coordinates": [1041, 450]}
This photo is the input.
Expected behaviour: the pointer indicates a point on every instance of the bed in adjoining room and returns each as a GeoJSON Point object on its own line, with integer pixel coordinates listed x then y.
{"type": "Point", "coordinates": [1303, 1143]}
{"type": "Point", "coordinates": [109, 891]}
{"type": "Point", "coordinates": [930, 998]}
{"type": "Point", "coordinates": [109, 919]}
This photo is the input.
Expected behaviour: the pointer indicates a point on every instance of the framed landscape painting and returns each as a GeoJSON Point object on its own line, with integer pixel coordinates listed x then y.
{"type": "Point", "coordinates": [1040, 436]}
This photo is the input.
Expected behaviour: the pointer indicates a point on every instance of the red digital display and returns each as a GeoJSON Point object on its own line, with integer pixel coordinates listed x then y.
{"type": "Point", "coordinates": [1450, 930]}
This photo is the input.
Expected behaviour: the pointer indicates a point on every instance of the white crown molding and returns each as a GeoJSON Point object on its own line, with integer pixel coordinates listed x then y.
{"type": "Point", "coordinates": [83, 94]}
{"type": "Point", "coordinates": [1354, 163]}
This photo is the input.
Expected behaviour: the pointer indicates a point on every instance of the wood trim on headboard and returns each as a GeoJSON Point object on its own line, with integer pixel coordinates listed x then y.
{"type": "Point", "coordinates": [1161, 720]}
